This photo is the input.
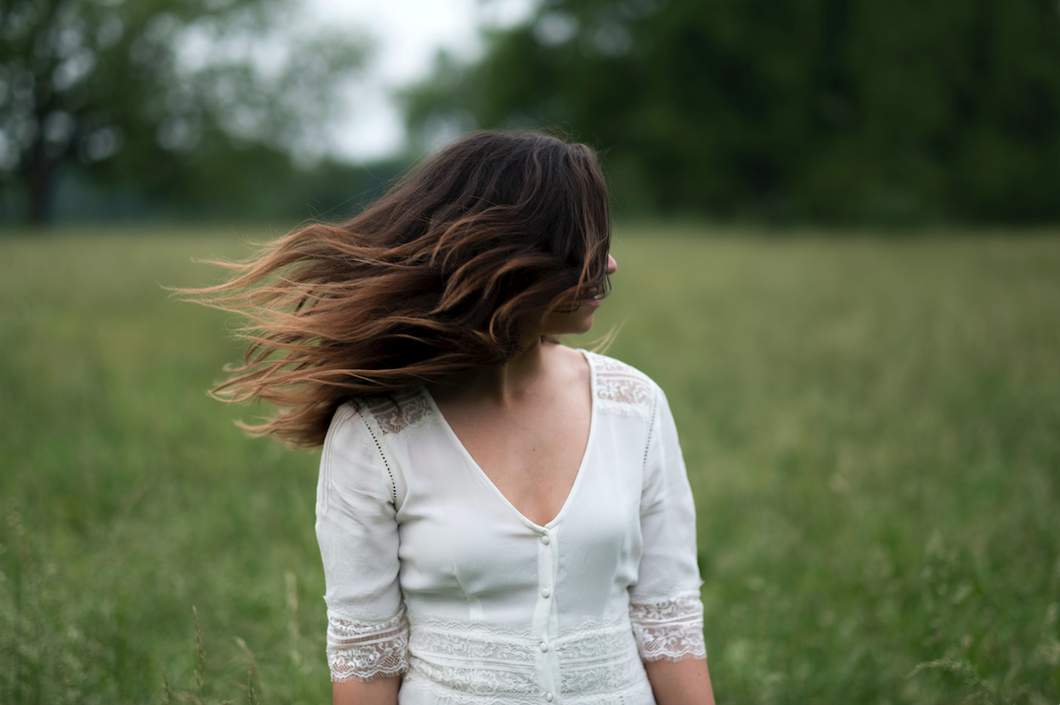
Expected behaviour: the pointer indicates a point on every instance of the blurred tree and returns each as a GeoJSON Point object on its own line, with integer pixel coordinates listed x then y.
{"type": "Point", "coordinates": [824, 110]}
{"type": "Point", "coordinates": [177, 96]}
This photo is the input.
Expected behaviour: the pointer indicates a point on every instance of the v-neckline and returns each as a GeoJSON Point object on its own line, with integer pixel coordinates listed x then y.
{"type": "Point", "coordinates": [477, 469]}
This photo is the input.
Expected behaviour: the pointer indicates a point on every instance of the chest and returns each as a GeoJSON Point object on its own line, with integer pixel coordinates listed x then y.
{"type": "Point", "coordinates": [532, 453]}
{"type": "Point", "coordinates": [460, 539]}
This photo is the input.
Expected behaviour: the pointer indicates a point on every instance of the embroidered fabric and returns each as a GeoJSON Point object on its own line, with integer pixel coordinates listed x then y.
{"type": "Point", "coordinates": [637, 694]}
{"type": "Point", "coordinates": [670, 629]}
{"type": "Point", "coordinates": [399, 410]}
{"type": "Point", "coordinates": [480, 663]}
{"type": "Point", "coordinates": [622, 388]}
{"type": "Point", "coordinates": [367, 650]}
{"type": "Point", "coordinates": [475, 641]}
{"type": "Point", "coordinates": [474, 686]}
{"type": "Point", "coordinates": [599, 658]}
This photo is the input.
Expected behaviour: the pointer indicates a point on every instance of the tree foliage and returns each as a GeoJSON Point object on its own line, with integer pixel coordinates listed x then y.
{"type": "Point", "coordinates": [173, 95]}
{"type": "Point", "coordinates": [833, 110]}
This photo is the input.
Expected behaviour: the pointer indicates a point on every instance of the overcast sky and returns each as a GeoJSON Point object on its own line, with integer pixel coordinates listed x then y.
{"type": "Point", "coordinates": [407, 35]}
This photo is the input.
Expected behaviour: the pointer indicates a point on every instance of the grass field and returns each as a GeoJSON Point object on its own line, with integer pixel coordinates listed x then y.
{"type": "Point", "coordinates": [871, 426]}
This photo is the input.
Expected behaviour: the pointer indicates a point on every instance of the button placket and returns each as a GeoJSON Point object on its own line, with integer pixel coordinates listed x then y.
{"type": "Point", "coordinates": [544, 618]}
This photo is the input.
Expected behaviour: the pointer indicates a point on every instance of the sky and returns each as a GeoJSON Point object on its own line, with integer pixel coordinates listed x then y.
{"type": "Point", "coordinates": [407, 36]}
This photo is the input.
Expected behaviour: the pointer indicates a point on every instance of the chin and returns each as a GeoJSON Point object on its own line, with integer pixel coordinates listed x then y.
{"type": "Point", "coordinates": [577, 327]}
{"type": "Point", "coordinates": [586, 327]}
{"type": "Point", "coordinates": [574, 323]}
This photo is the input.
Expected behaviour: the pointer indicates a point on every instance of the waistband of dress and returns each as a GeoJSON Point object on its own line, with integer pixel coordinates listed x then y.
{"type": "Point", "coordinates": [455, 642]}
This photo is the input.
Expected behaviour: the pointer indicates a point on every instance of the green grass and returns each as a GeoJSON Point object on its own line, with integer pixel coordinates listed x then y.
{"type": "Point", "coordinates": [872, 430]}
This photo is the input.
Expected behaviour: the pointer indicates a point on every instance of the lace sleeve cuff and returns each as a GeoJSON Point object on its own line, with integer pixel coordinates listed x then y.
{"type": "Point", "coordinates": [367, 650]}
{"type": "Point", "coordinates": [670, 629]}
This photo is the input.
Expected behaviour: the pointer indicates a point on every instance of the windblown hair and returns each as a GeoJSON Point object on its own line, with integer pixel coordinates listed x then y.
{"type": "Point", "coordinates": [448, 272]}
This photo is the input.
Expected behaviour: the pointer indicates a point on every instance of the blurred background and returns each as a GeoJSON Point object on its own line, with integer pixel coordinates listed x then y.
{"type": "Point", "coordinates": [837, 224]}
{"type": "Point", "coordinates": [802, 111]}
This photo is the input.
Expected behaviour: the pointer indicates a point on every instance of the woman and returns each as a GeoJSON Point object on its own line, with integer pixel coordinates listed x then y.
{"type": "Point", "coordinates": [502, 519]}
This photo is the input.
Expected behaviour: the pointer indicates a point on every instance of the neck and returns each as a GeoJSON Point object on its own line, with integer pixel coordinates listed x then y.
{"type": "Point", "coordinates": [503, 383]}
{"type": "Point", "coordinates": [499, 384]}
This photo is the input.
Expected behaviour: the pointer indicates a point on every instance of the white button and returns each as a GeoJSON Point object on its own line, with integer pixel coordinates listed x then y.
{"type": "Point", "coordinates": [545, 592]}
{"type": "Point", "coordinates": [544, 539]}
{"type": "Point", "coordinates": [548, 697]}
{"type": "Point", "coordinates": [544, 646]}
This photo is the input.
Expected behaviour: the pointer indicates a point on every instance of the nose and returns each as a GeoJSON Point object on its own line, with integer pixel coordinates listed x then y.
{"type": "Point", "coordinates": [612, 265]}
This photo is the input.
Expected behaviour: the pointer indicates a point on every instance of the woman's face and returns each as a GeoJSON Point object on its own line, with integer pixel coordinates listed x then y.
{"type": "Point", "coordinates": [579, 320]}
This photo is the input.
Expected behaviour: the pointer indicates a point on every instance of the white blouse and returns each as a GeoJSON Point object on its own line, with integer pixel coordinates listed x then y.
{"type": "Point", "coordinates": [433, 574]}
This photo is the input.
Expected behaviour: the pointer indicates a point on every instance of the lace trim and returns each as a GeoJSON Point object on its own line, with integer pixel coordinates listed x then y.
{"type": "Point", "coordinates": [669, 629]}
{"type": "Point", "coordinates": [439, 641]}
{"type": "Point", "coordinates": [622, 388]}
{"type": "Point", "coordinates": [367, 650]}
{"type": "Point", "coordinates": [605, 678]}
{"type": "Point", "coordinates": [469, 663]}
{"type": "Point", "coordinates": [398, 410]}
{"type": "Point", "coordinates": [599, 658]}
{"type": "Point", "coordinates": [470, 684]}
{"type": "Point", "coordinates": [593, 641]}
{"type": "Point", "coordinates": [638, 692]}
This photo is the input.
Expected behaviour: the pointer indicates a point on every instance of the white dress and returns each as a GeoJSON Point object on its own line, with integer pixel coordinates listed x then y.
{"type": "Point", "coordinates": [432, 573]}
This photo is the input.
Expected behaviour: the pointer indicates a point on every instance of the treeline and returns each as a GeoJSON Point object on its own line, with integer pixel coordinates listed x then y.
{"type": "Point", "coordinates": [893, 111]}
{"type": "Point", "coordinates": [782, 111]}
{"type": "Point", "coordinates": [164, 109]}
{"type": "Point", "coordinates": [250, 184]}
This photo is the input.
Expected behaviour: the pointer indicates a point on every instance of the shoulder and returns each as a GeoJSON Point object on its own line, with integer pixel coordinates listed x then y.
{"type": "Point", "coordinates": [360, 456]}
{"type": "Point", "coordinates": [604, 364]}
{"type": "Point", "coordinates": [345, 429]}
{"type": "Point", "coordinates": [391, 413]}
{"type": "Point", "coordinates": [621, 387]}
{"type": "Point", "coordinates": [351, 440]}
{"type": "Point", "coordinates": [376, 429]}
{"type": "Point", "coordinates": [375, 423]}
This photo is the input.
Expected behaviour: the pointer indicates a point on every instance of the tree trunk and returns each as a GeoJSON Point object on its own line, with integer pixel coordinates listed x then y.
{"type": "Point", "coordinates": [41, 186]}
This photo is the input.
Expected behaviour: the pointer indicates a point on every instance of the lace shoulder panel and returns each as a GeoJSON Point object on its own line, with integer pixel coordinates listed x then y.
{"type": "Point", "coordinates": [670, 629]}
{"type": "Point", "coordinates": [367, 650]}
{"type": "Point", "coordinates": [396, 411]}
{"type": "Point", "coordinates": [622, 388]}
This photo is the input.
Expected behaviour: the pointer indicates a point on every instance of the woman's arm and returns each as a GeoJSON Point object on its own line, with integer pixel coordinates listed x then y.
{"type": "Point", "coordinates": [381, 691]}
{"type": "Point", "coordinates": [367, 637]}
{"type": "Point", "coordinates": [665, 605]}
{"type": "Point", "coordinates": [684, 682]}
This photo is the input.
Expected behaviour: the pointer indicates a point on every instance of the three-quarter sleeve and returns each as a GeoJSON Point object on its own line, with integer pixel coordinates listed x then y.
{"type": "Point", "coordinates": [665, 606]}
{"type": "Point", "coordinates": [357, 531]}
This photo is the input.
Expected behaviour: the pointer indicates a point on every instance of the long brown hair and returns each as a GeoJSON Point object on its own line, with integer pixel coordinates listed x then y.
{"type": "Point", "coordinates": [449, 271]}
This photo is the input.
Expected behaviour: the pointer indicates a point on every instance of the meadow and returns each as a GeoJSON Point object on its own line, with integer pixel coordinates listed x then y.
{"type": "Point", "coordinates": [871, 426]}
